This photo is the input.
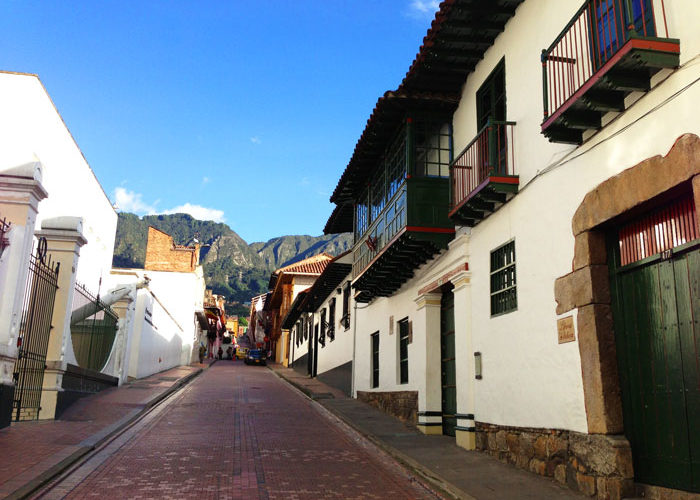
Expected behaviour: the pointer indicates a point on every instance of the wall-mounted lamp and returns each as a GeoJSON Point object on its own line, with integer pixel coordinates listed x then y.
{"type": "Point", "coordinates": [477, 365]}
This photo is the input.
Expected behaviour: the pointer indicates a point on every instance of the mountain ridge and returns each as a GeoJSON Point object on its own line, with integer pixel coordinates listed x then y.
{"type": "Point", "coordinates": [232, 267]}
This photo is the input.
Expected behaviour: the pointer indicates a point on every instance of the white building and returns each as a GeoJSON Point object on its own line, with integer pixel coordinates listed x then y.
{"type": "Point", "coordinates": [47, 190]}
{"type": "Point", "coordinates": [522, 272]}
{"type": "Point", "coordinates": [32, 128]}
{"type": "Point", "coordinates": [319, 320]}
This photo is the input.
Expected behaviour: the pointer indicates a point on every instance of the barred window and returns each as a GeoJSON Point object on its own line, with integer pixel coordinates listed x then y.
{"type": "Point", "coordinates": [403, 351]}
{"type": "Point", "coordinates": [503, 290]}
{"type": "Point", "coordinates": [331, 320]}
{"type": "Point", "coordinates": [375, 360]}
{"type": "Point", "coordinates": [324, 326]}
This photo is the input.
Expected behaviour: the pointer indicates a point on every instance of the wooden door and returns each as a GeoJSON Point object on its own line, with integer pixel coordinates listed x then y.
{"type": "Point", "coordinates": [656, 308]}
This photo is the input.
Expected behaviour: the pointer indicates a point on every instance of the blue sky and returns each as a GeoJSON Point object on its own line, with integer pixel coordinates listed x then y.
{"type": "Point", "coordinates": [242, 112]}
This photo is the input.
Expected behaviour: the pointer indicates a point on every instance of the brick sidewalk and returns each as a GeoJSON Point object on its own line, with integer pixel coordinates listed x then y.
{"type": "Point", "coordinates": [437, 459]}
{"type": "Point", "coordinates": [32, 452]}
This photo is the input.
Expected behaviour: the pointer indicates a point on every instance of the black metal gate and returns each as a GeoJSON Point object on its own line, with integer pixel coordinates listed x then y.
{"type": "Point", "coordinates": [93, 329]}
{"type": "Point", "coordinates": [33, 340]}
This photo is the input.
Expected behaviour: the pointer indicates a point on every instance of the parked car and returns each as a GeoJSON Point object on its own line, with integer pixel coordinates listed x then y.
{"type": "Point", "coordinates": [255, 357]}
{"type": "Point", "coordinates": [241, 352]}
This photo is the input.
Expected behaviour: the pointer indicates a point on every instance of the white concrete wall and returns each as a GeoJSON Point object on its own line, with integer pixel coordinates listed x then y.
{"type": "Point", "coordinates": [422, 358]}
{"type": "Point", "coordinates": [338, 351]}
{"type": "Point", "coordinates": [31, 125]}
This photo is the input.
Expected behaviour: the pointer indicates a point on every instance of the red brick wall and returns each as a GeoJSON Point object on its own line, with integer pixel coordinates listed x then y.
{"type": "Point", "coordinates": [163, 255]}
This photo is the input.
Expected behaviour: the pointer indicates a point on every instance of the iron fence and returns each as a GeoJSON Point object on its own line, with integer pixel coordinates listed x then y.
{"type": "Point", "coordinates": [35, 329]}
{"type": "Point", "coordinates": [490, 153]}
{"type": "Point", "coordinates": [93, 329]}
{"type": "Point", "coordinates": [598, 30]}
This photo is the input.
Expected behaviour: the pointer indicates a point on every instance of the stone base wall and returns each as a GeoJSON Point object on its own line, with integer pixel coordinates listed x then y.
{"type": "Point", "coordinates": [596, 465]}
{"type": "Point", "coordinates": [7, 393]}
{"type": "Point", "coordinates": [400, 404]}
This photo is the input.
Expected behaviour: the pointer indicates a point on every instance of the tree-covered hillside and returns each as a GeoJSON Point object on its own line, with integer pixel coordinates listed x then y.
{"type": "Point", "coordinates": [232, 267]}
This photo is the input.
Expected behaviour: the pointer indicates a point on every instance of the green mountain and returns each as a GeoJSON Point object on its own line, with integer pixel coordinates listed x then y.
{"type": "Point", "coordinates": [232, 267]}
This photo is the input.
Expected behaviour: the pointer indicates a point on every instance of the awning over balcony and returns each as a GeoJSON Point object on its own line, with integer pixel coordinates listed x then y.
{"type": "Point", "coordinates": [341, 219]}
{"type": "Point", "coordinates": [456, 41]}
{"type": "Point", "coordinates": [388, 115]}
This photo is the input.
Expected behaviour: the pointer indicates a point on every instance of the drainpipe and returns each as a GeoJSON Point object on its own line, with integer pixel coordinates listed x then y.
{"type": "Point", "coordinates": [108, 299]}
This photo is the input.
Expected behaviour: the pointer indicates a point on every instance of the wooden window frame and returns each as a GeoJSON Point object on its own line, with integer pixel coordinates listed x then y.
{"type": "Point", "coordinates": [503, 270]}
{"type": "Point", "coordinates": [374, 367]}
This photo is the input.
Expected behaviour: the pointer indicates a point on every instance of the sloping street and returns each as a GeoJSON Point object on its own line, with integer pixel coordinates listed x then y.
{"type": "Point", "coordinates": [240, 432]}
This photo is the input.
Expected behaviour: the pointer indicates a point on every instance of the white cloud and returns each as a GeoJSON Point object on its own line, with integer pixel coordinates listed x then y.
{"type": "Point", "coordinates": [255, 140]}
{"type": "Point", "coordinates": [198, 212]}
{"type": "Point", "coordinates": [423, 8]}
{"type": "Point", "coordinates": [130, 201]}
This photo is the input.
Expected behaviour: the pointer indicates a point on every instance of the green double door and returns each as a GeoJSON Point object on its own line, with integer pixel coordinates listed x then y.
{"type": "Point", "coordinates": [656, 308]}
{"type": "Point", "coordinates": [447, 360]}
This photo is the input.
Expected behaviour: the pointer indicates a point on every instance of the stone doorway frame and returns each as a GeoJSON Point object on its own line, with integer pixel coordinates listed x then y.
{"type": "Point", "coordinates": [587, 287]}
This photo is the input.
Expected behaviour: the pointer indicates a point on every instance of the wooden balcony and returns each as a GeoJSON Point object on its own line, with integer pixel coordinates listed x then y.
{"type": "Point", "coordinates": [483, 176]}
{"type": "Point", "coordinates": [411, 229]}
{"type": "Point", "coordinates": [609, 49]}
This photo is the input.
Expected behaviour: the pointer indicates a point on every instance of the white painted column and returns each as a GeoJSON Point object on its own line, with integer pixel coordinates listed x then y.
{"type": "Point", "coordinates": [426, 332]}
{"type": "Point", "coordinates": [118, 365]}
{"type": "Point", "coordinates": [464, 363]}
{"type": "Point", "coordinates": [20, 193]}
{"type": "Point", "coordinates": [64, 237]}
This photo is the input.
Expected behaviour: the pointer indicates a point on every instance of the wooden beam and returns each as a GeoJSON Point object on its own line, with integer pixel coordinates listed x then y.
{"type": "Point", "coordinates": [629, 81]}
{"type": "Point", "coordinates": [605, 100]}
{"type": "Point", "coordinates": [581, 119]}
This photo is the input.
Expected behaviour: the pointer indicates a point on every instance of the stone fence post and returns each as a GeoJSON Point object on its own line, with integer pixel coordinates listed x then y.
{"type": "Point", "coordinates": [20, 193]}
{"type": "Point", "coordinates": [64, 237]}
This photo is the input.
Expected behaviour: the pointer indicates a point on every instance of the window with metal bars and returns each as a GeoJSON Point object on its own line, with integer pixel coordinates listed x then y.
{"type": "Point", "coordinates": [345, 320]}
{"type": "Point", "coordinates": [659, 231]}
{"type": "Point", "coordinates": [331, 319]}
{"type": "Point", "coordinates": [324, 326]}
{"type": "Point", "coordinates": [375, 360]}
{"type": "Point", "coordinates": [403, 351]}
{"type": "Point", "coordinates": [503, 281]}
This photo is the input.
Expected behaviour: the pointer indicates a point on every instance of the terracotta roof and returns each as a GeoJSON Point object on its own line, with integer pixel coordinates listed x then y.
{"type": "Point", "coordinates": [311, 265]}
{"type": "Point", "coordinates": [382, 124]}
{"type": "Point", "coordinates": [456, 41]}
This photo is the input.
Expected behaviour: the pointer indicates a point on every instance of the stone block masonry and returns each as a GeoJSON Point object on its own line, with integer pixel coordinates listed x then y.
{"type": "Point", "coordinates": [596, 465]}
{"type": "Point", "coordinates": [400, 404]}
{"type": "Point", "coordinates": [163, 255]}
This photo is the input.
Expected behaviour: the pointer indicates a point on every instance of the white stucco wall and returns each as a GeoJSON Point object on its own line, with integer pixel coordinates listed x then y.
{"type": "Point", "coordinates": [529, 380]}
{"type": "Point", "coordinates": [171, 300]}
{"type": "Point", "coordinates": [31, 125]}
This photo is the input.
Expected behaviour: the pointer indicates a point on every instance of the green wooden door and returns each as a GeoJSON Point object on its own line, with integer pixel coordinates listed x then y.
{"type": "Point", "coordinates": [447, 356]}
{"type": "Point", "coordinates": [656, 308]}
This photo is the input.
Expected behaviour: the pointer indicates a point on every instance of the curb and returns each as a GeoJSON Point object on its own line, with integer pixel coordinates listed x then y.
{"type": "Point", "coordinates": [434, 480]}
{"type": "Point", "coordinates": [92, 442]}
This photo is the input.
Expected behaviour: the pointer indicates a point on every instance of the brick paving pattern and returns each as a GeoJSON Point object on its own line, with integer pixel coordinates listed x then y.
{"type": "Point", "coordinates": [29, 448]}
{"type": "Point", "coordinates": [240, 432]}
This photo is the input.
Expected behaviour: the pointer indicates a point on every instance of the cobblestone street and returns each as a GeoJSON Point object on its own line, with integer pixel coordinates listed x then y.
{"type": "Point", "coordinates": [241, 432]}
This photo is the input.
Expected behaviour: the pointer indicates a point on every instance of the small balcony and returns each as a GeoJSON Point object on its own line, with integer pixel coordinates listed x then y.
{"type": "Point", "coordinates": [411, 229]}
{"type": "Point", "coordinates": [483, 176]}
{"type": "Point", "coordinates": [609, 49]}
